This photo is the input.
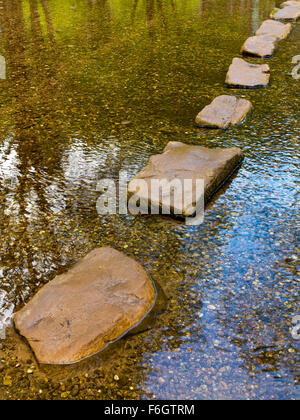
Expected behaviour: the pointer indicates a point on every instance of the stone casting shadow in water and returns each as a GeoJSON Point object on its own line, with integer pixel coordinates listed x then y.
{"type": "Point", "coordinates": [81, 312]}
{"type": "Point", "coordinates": [121, 356]}
{"type": "Point", "coordinates": [22, 346]}
{"type": "Point", "coordinates": [158, 308]}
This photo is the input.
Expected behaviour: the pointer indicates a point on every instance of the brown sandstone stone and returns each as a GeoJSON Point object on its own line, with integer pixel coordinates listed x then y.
{"type": "Point", "coordinates": [224, 111]}
{"type": "Point", "coordinates": [242, 74]}
{"type": "Point", "coordinates": [290, 3]}
{"type": "Point", "coordinates": [287, 14]}
{"type": "Point", "coordinates": [80, 312]}
{"type": "Point", "coordinates": [262, 46]}
{"type": "Point", "coordinates": [180, 161]}
{"type": "Point", "coordinates": [274, 28]}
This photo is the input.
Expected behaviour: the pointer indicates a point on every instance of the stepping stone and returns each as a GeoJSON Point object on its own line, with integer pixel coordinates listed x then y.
{"type": "Point", "coordinates": [224, 111]}
{"type": "Point", "coordinates": [80, 312]}
{"type": "Point", "coordinates": [262, 46]}
{"type": "Point", "coordinates": [292, 3]}
{"type": "Point", "coordinates": [180, 161]}
{"type": "Point", "coordinates": [274, 28]}
{"type": "Point", "coordinates": [247, 76]}
{"type": "Point", "coordinates": [288, 13]}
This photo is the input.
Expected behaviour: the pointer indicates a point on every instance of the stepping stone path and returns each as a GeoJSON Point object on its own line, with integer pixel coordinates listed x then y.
{"type": "Point", "coordinates": [107, 294]}
{"type": "Point", "coordinates": [82, 311]}
{"type": "Point", "coordinates": [290, 11]}
{"type": "Point", "coordinates": [180, 161]}
{"type": "Point", "coordinates": [247, 76]}
{"type": "Point", "coordinates": [262, 46]}
{"type": "Point", "coordinates": [224, 111]}
{"type": "Point", "coordinates": [275, 29]}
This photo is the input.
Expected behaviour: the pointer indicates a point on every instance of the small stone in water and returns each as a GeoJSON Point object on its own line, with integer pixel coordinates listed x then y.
{"type": "Point", "coordinates": [7, 381]}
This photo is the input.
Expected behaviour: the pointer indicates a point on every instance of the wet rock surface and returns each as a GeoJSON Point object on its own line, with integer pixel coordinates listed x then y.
{"type": "Point", "coordinates": [80, 312]}
{"type": "Point", "coordinates": [242, 74]}
{"type": "Point", "coordinates": [225, 110]}
{"type": "Point", "coordinates": [275, 29]}
{"type": "Point", "coordinates": [291, 3]}
{"type": "Point", "coordinates": [180, 161]}
{"type": "Point", "coordinates": [287, 13]}
{"type": "Point", "coordinates": [262, 46]}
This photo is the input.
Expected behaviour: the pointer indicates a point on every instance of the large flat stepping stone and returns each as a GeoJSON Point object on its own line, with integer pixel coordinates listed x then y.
{"type": "Point", "coordinates": [262, 46]}
{"type": "Point", "coordinates": [242, 74]}
{"type": "Point", "coordinates": [180, 161]}
{"type": "Point", "coordinates": [274, 28]}
{"type": "Point", "coordinates": [82, 311]}
{"type": "Point", "coordinates": [288, 13]}
{"type": "Point", "coordinates": [224, 111]}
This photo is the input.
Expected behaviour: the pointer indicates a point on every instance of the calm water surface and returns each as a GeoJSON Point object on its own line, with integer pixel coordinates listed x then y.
{"type": "Point", "coordinates": [96, 86]}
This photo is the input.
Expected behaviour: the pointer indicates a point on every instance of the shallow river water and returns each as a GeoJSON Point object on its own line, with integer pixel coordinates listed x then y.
{"type": "Point", "coordinates": [96, 86]}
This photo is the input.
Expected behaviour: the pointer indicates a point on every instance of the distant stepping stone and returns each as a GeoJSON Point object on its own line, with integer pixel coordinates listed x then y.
{"type": "Point", "coordinates": [288, 13]}
{"type": "Point", "coordinates": [262, 46]}
{"type": "Point", "coordinates": [82, 311]}
{"type": "Point", "coordinates": [180, 161]}
{"type": "Point", "coordinates": [224, 111]}
{"type": "Point", "coordinates": [291, 3]}
{"type": "Point", "coordinates": [244, 75]}
{"type": "Point", "coordinates": [275, 29]}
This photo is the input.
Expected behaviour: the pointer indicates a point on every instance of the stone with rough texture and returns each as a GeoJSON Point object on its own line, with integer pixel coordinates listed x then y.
{"type": "Point", "coordinates": [262, 46]}
{"type": "Point", "coordinates": [224, 111]}
{"type": "Point", "coordinates": [249, 76]}
{"type": "Point", "coordinates": [82, 311]}
{"type": "Point", "coordinates": [274, 28]}
{"type": "Point", "coordinates": [180, 161]}
{"type": "Point", "coordinates": [288, 14]}
{"type": "Point", "coordinates": [290, 3]}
